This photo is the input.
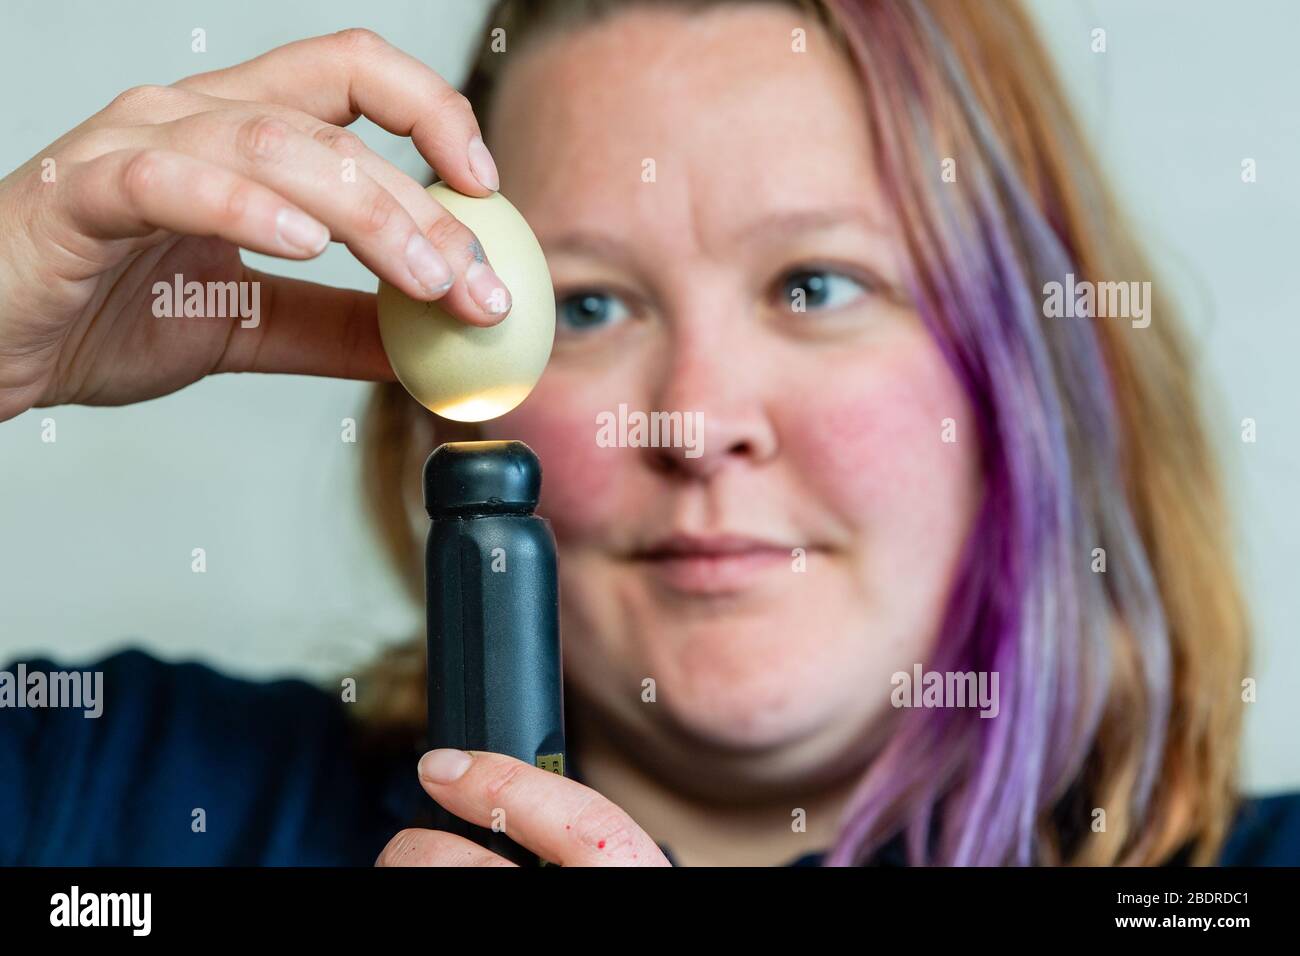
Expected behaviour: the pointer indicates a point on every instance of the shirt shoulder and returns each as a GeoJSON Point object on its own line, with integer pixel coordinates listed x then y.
{"type": "Point", "coordinates": [185, 765]}
{"type": "Point", "coordinates": [1265, 832]}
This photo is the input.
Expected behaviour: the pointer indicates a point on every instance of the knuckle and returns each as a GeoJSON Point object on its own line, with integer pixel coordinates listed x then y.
{"type": "Point", "coordinates": [137, 98]}
{"type": "Point", "coordinates": [377, 212]}
{"type": "Point", "coordinates": [448, 232]}
{"type": "Point", "coordinates": [601, 824]}
{"type": "Point", "coordinates": [261, 138]}
{"type": "Point", "coordinates": [504, 780]}
{"type": "Point", "coordinates": [342, 141]}
{"type": "Point", "coordinates": [141, 172]}
{"type": "Point", "coordinates": [235, 202]}
{"type": "Point", "coordinates": [454, 100]}
{"type": "Point", "coordinates": [359, 40]}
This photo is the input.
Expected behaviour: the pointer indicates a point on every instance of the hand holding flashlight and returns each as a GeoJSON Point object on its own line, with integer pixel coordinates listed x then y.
{"type": "Point", "coordinates": [559, 820]}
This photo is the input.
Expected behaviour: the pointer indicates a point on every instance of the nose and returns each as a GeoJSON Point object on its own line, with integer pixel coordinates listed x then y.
{"type": "Point", "coordinates": [730, 401]}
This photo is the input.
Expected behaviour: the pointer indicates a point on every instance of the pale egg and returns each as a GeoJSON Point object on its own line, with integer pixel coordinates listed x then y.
{"type": "Point", "coordinates": [464, 372]}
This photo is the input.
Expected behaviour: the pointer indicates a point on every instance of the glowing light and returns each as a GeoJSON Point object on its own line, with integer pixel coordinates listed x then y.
{"type": "Point", "coordinates": [490, 403]}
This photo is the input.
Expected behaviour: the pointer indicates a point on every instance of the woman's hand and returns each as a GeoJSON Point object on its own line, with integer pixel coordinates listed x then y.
{"type": "Point", "coordinates": [557, 818]}
{"type": "Point", "coordinates": [174, 180]}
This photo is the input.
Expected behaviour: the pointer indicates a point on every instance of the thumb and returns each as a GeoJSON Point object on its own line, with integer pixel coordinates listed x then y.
{"type": "Point", "coordinates": [304, 328]}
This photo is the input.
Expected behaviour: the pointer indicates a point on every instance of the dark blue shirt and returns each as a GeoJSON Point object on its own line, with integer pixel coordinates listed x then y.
{"type": "Point", "coordinates": [186, 766]}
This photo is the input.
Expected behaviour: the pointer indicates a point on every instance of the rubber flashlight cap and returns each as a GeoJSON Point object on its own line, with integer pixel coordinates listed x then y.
{"type": "Point", "coordinates": [481, 477]}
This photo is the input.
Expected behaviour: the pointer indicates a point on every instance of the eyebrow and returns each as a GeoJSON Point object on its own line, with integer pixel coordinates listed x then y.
{"type": "Point", "coordinates": [781, 224]}
{"type": "Point", "coordinates": [795, 221]}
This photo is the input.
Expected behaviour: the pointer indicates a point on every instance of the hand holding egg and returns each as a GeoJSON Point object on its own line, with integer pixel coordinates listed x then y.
{"type": "Point", "coordinates": [167, 184]}
{"type": "Point", "coordinates": [472, 373]}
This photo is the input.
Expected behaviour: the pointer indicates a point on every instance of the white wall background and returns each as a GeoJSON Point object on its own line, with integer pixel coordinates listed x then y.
{"type": "Point", "coordinates": [96, 530]}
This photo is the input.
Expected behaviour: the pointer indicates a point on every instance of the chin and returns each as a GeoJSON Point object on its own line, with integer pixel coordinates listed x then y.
{"type": "Point", "coordinates": [740, 728]}
{"type": "Point", "coordinates": [738, 697]}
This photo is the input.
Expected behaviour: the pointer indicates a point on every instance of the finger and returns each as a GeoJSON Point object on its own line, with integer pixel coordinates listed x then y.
{"type": "Point", "coordinates": [436, 848]}
{"type": "Point", "coordinates": [478, 291]}
{"type": "Point", "coordinates": [135, 192]}
{"type": "Point", "coordinates": [368, 219]}
{"type": "Point", "coordinates": [300, 327]}
{"type": "Point", "coordinates": [356, 72]}
{"type": "Point", "coordinates": [557, 818]}
{"type": "Point", "coordinates": [309, 329]}
{"type": "Point", "coordinates": [359, 212]}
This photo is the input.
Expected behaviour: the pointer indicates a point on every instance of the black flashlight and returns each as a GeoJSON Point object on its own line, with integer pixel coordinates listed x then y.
{"type": "Point", "coordinates": [493, 617]}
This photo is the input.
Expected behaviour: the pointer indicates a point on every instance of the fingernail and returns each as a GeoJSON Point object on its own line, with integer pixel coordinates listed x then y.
{"type": "Point", "coordinates": [487, 289]}
{"type": "Point", "coordinates": [301, 231]}
{"type": "Point", "coordinates": [444, 766]}
{"type": "Point", "coordinates": [427, 265]}
{"type": "Point", "coordinates": [482, 165]}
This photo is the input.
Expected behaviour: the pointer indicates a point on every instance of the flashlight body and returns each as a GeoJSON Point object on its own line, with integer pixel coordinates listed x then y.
{"type": "Point", "coordinates": [493, 617]}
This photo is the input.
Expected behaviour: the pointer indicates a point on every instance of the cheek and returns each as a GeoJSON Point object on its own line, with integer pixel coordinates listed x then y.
{"type": "Point", "coordinates": [582, 483]}
{"type": "Point", "coordinates": [872, 447]}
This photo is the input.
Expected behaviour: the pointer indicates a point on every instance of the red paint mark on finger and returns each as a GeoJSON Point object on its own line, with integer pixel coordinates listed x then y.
{"type": "Point", "coordinates": [600, 845]}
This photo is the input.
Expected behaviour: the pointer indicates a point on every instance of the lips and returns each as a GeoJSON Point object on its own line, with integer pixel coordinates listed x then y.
{"type": "Point", "coordinates": [713, 564]}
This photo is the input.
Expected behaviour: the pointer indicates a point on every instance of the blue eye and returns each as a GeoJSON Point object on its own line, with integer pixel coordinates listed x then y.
{"type": "Point", "coordinates": [808, 289]}
{"type": "Point", "coordinates": [589, 310]}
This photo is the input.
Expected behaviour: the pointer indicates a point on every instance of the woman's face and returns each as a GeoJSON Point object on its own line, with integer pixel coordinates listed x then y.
{"type": "Point", "coordinates": [720, 248]}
